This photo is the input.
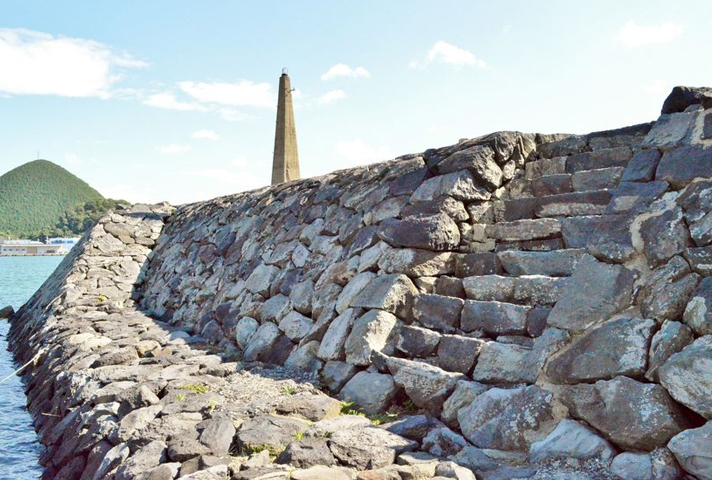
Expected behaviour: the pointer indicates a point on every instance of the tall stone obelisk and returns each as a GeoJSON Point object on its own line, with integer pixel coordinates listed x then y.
{"type": "Point", "coordinates": [285, 163]}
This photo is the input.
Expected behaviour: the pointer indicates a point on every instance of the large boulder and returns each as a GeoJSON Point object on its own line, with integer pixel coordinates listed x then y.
{"type": "Point", "coordinates": [393, 293]}
{"type": "Point", "coordinates": [430, 232]}
{"type": "Point", "coordinates": [659, 464]}
{"type": "Point", "coordinates": [595, 292]}
{"type": "Point", "coordinates": [671, 338]}
{"type": "Point", "coordinates": [508, 419]}
{"type": "Point", "coordinates": [698, 313]}
{"type": "Point", "coordinates": [618, 347]}
{"type": "Point", "coordinates": [631, 414]}
{"type": "Point", "coordinates": [368, 448]}
{"type": "Point", "coordinates": [370, 391]}
{"type": "Point", "coordinates": [682, 97]}
{"type": "Point", "coordinates": [572, 440]}
{"type": "Point", "coordinates": [688, 377]}
{"type": "Point", "coordinates": [427, 386]}
{"type": "Point", "coordinates": [271, 432]}
{"type": "Point", "coordinates": [371, 333]}
{"type": "Point", "coordinates": [693, 449]}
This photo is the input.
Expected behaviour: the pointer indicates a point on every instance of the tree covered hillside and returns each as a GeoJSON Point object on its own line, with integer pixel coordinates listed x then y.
{"type": "Point", "coordinates": [40, 198]}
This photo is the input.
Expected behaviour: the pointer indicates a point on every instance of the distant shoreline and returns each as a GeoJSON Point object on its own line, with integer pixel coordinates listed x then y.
{"type": "Point", "coordinates": [33, 254]}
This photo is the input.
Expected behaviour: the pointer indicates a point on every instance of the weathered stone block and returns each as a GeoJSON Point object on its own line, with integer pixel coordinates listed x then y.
{"type": "Point", "coordinates": [416, 342]}
{"type": "Point", "coordinates": [457, 353]}
{"type": "Point", "coordinates": [670, 339]}
{"type": "Point", "coordinates": [664, 236]}
{"type": "Point", "coordinates": [372, 332]}
{"type": "Point", "coordinates": [335, 374]}
{"type": "Point", "coordinates": [495, 318]}
{"type": "Point", "coordinates": [393, 293]}
{"type": "Point", "coordinates": [607, 237]}
{"type": "Point", "coordinates": [372, 392]}
{"type": "Point", "coordinates": [472, 264]}
{"type": "Point", "coordinates": [591, 180]}
{"type": "Point", "coordinates": [571, 440]}
{"type": "Point", "coordinates": [688, 379]}
{"type": "Point", "coordinates": [332, 345]}
{"type": "Point", "coordinates": [700, 260]}
{"type": "Point", "coordinates": [508, 419]}
{"type": "Point", "coordinates": [431, 232]}
{"type": "Point", "coordinates": [612, 157]}
{"type": "Point", "coordinates": [642, 166]}
{"type": "Point", "coordinates": [671, 130]}
{"type": "Point", "coordinates": [619, 347]}
{"type": "Point", "coordinates": [573, 204]}
{"type": "Point", "coordinates": [427, 386]}
{"type": "Point", "coordinates": [693, 449]}
{"type": "Point", "coordinates": [438, 312]}
{"type": "Point", "coordinates": [524, 229]}
{"type": "Point", "coordinates": [595, 292]}
{"type": "Point", "coordinates": [631, 414]}
{"type": "Point", "coordinates": [416, 263]}
{"type": "Point", "coordinates": [680, 166]}
{"type": "Point", "coordinates": [557, 263]}
{"type": "Point", "coordinates": [489, 288]}
{"type": "Point", "coordinates": [698, 313]}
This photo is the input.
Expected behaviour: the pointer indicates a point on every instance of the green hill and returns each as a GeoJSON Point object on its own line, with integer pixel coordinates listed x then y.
{"type": "Point", "coordinates": [41, 198]}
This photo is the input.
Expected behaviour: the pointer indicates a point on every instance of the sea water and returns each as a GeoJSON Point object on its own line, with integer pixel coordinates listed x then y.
{"type": "Point", "coordinates": [20, 277]}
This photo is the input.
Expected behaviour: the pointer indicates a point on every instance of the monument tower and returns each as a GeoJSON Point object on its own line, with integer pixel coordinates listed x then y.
{"type": "Point", "coordinates": [285, 163]}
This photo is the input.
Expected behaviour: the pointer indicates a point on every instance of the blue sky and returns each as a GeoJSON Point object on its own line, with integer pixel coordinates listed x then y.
{"type": "Point", "coordinates": [175, 100]}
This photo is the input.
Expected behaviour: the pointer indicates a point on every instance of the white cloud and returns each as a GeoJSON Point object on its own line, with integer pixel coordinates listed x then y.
{"type": "Point", "coordinates": [240, 162]}
{"type": "Point", "coordinates": [634, 35]}
{"type": "Point", "coordinates": [331, 97]}
{"type": "Point", "coordinates": [172, 149]}
{"type": "Point", "coordinates": [244, 93]}
{"type": "Point", "coordinates": [170, 102]}
{"type": "Point", "coordinates": [443, 52]}
{"type": "Point", "coordinates": [343, 70]}
{"type": "Point", "coordinates": [232, 115]}
{"type": "Point", "coordinates": [37, 63]}
{"type": "Point", "coordinates": [358, 152]}
{"type": "Point", "coordinates": [205, 135]}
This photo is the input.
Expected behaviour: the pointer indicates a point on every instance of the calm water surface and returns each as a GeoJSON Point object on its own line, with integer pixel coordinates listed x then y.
{"type": "Point", "coordinates": [19, 449]}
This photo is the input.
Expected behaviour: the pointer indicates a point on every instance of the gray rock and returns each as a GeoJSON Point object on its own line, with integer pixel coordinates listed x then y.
{"type": "Point", "coordinates": [305, 358]}
{"type": "Point", "coordinates": [682, 97]}
{"type": "Point", "coordinates": [166, 471]}
{"type": "Point", "coordinates": [693, 450]}
{"type": "Point", "coordinates": [368, 448]}
{"type": "Point", "coordinates": [427, 386]}
{"type": "Point", "coordinates": [7, 311]}
{"type": "Point", "coordinates": [618, 347]}
{"type": "Point", "coordinates": [538, 289]}
{"type": "Point", "coordinates": [326, 428]}
{"type": "Point", "coordinates": [688, 379]}
{"type": "Point", "coordinates": [700, 260]}
{"type": "Point", "coordinates": [275, 308]}
{"type": "Point", "coordinates": [306, 453]}
{"type": "Point", "coordinates": [681, 165]}
{"type": "Point", "coordinates": [631, 197]}
{"type": "Point", "coordinates": [352, 289]}
{"type": "Point", "coordinates": [145, 458]}
{"type": "Point", "coordinates": [556, 263]}
{"type": "Point", "coordinates": [465, 392]}
{"type": "Point", "coordinates": [335, 374]}
{"type": "Point", "coordinates": [393, 293]}
{"type": "Point", "coordinates": [416, 341]}
{"type": "Point", "coordinates": [453, 470]}
{"type": "Point", "coordinates": [572, 440]}
{"type": "Point", "coordinates": [457, 353]}
{"type": "Point", "coordinates": [113, 458]}
{"type": "Point", "coordinates": [607, 236]}
{"type": "Point", "coordinates": [631, 414]}
{"type": "Point", "coordinates": [415, 262]}
{"type": "Point", "coordinates": [698, 313]}
{"type": "Point", "coordinates": [414, 427]}
{"type": "Point", "coordinates": [262, 342]}
{"type": "Point", "coordinates": [269, 431]}
{"type": "Point", "coordinates": [372, 392]}
{"type": "Point", "coordinates": [430, 232]}
{"type": "Point", "coordinates": [642, 166]}
{"type": "Point", "coordinates": [595, 292]}
{"type": "Point", "coordinates": [664, 236]}
{"type": "Point", "coordinates": [495, 318]}
{"type": "Point", "coordinates": [372, 332]}
{"type": "Point", "coordinates": [320, 472]}
{"type": "Point", "coordinates": [489, 288]}
{"type": "Point", "coordinates": [667, 291]}
{"type": "Point", "coordinates": [295, 326]}
{"type": "Point", "coordinates": [657, 465]}
{"type": "Point", "coordinates": [217, 434]}
{"type": "Point", "coordinates": [670, 339]}
{"type": "Point", "coordinates": [672, 130]}
{"type": "Point", "coordinates": [301, 296]}
{"type": "Point", "coordinates": [332, 345]}
{"type": "Point", "coordinates": [524, 229]}
{"type": "Point", "coordinates": [260, 280]}
{"type": "Point", "coordinates": [438, 312]}
{"type": "Point", "coordinates": [313, 408]}
{"type": "Point", "coordinates": [508, 419]}
{"type": "Point", "coordinates": [443, 442]}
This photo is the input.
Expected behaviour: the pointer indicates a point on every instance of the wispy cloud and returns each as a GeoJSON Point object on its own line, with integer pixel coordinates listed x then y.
{"type": "Point", "coordinates": [633, 34]}
{"type": "Point", "coordinates": [37, 63]}
{"type": "Point", "coordinates": [331, 97]}
{"type": "Point", "coordinates": [205, 135]}
{"type": "Point", "coordinates": [343, 70]}
{"type": "Point", "coordinates": [357, 152]}
{"type": "Point", "coordinates": [241, 94]}
{"type": "Point", "coordinates": [443, 52]}
{"type": "Point", "coordinates": [170, 102]}
{"type": "Point", "coordinates": [172, 149]}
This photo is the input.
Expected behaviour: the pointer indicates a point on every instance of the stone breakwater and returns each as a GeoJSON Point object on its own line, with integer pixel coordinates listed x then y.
{"type": "Point", "coordinates": [531, 306]}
